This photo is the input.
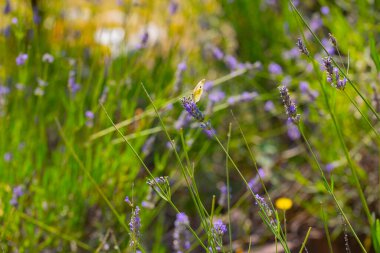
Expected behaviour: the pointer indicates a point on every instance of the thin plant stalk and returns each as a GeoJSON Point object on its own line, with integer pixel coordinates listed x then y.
{"type": "Point", "coordinates": [325, 225]}
{"type": "Point", "coordinates": [328, 188]}
{"type": "Point", "coordinates": [305, 240]}
{"type": "Point", "coordinates": [228, 189]}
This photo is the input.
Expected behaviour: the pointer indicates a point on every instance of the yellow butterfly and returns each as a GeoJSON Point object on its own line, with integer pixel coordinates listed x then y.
{"type": "Point", "coordinates": [198, 90]}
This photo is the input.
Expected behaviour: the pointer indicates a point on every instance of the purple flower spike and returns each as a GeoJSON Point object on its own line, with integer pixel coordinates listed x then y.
{"type": "Point", "coordinates": [269, 106]}
{"type": "Point", "coordinates": [325, 10]}
{"type": "Point", "coordinates": [219, 228]}
{"type": "Point", "coordinates": [181, 236]}
{"type": "Point", "coordinates": [231, 62]}
{"type": "Point", "coordinates": [21, 59]}
{"type": "Point", "coordinates": [275, 69]}
{"type": "Point", "coordinates": [217, 53]}
{"type": "Point", "coordinates": [47, 58]}
{"type": "Point", "coordinates": [173, 7]}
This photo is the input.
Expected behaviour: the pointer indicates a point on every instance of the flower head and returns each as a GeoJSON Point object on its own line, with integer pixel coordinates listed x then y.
{"type": "Point", "coordinates": [134, 226]}
{"type": "Point", "coordinates": [290, 106]}
{"type": "Point", "coordinates": [275, 68]}
{"type": "Point", "coordinates": [284, 203]}
{"type": "Point", "coordinates": [219, 228]}
{"type": "Point", "coordinates": [47, 58]}
{"type": "Point", "coordinates": [181, 236]}
{"type": "Point", "coordinates": [21, 59]}
{"type": "Point", "coordinates": [192, 109]}
{"type": "Point", "coordinates": [301, 47]}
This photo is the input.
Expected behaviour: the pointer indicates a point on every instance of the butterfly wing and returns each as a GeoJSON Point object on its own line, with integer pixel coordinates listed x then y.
{"type": "Point", "coordinates": [198, 90]}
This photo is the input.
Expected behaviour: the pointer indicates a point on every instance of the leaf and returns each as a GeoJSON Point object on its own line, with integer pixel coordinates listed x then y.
{"type": "Point", "coordinates": [374, 55]}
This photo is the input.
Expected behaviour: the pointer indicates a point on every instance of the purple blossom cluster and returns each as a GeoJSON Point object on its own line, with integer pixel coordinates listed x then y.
{"type": "Point", "coordinates": [74, 87]}
{"type": "Point", "coordinates": [21, 59]}
{"type": "Point", "coordinates": [134, 226]}
{"type": "Point", "coordinates": [290, 106]}
{"type": "Point", "coordinates": [244, 97]}
{"type": "Point", "coordinates": [254, 184]}
{"type": "Point", "coordinates": [89, 115]}
{"type": "Point", "coordinates": [219, 227]}
{"type": "Point", "coordinates": [333, 76]}
{"type": "Point", "coordinates": [16, 194]}
{"type": "Point", "coordinates": [181, 67]}
{"type": "Point", "coordinates": [301, 47]}
{"type": "Point", "coordinates": [181, 236]}
{"type": "Point", "coordinates": [231, 62]}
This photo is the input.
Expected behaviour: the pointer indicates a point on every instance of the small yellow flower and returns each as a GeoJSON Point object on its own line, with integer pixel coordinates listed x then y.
{"type": "Point", "coordinates": [284, 203]}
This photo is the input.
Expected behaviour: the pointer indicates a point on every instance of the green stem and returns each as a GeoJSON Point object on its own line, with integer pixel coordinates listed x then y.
{"type": "Point", "coordinates": [328, 188]}
{"type": "Point", "coordinates": [305, 240]}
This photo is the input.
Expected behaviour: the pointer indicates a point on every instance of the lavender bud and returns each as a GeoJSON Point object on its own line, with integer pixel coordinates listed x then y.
{"type": "Point", "coordinates": [290, 106]}
{"type": "Point", "coordinates": [301, 47]}
{"type": "Point", "coordinates": [181, 236]}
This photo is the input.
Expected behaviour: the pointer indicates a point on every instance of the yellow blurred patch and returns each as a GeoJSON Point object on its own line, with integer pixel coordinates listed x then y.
{"type": "Point", "coordinates": [284, 203]}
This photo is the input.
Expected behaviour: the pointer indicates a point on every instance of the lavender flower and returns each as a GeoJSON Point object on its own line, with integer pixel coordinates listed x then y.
{"type": "Point", "coordinates": [301, 47]}
{"type": "Point", "coordinates": [217, 53]}
{"type": "Point", "coordinates": [207, 129]}
{"type": "Point", "coordinates": [305, 89]}
{"type": "Point", "coordinates": [260, 201]}
{"type": "Point", "coordinates": [316, 23]}
{"type": "Point", "coordinates": [219, 228]}
{"type": "Point", "coordinates": [14, 21]}
{"type": "Point", "coordinates": [161, 186]}
{"type": "Point", "coordinates": [290, 106]}
{"type": "Point", "coordinates": [47, 58]}
{"type": "Point", "coordinates": [244, 97]}
{"type": "Point", "coordinates": [72, 84]}
{"type": "Point", "coordinates": [143, 40]}
{"type": "Point", "coordinates": [231, 62]}
{"type": "Point", "coordinates": [8, 157]}
{"type": "Point", "coordinates": [254, 184]}
{"type": "Point", "coordinates": [269, 106]}
{"type": "Point", "coordinates": [332, 40]}
{"type": "Point", "coordinates": [222, 201]}
{"type": "Point", "coordinates": [293, 132]}
{"type": "Point", "coordinates": [128, 201]}
{"type": "Point", "coordinates": [7, 7]}
{"type": "Point", "coordinates": [89, 118]}
{"type": "Point", "coordinates": [147, 147]}
{"type": "Point", "coordinates": [216, 96]}
{"type": "Point", "coordinates": [328, 46]}
{"type": "Point", "coordinates": [208, 85]}
{"type": "Point", "coordinates": [275, 68]}
{"type": "Point", "coordinates": [36, 15]}
{"type": "Point", "coordinates": [181, 236]}
{"type": "Point", "coordinates": [134, 227]}
{"type": "Point", "coordinates": [181, 67]}
{"type": "Point", "coordinates": [192, 109]}
{"type": "Point", "coordinates": [333, 74]}
{"type": "Point", "coordinates": [16, 194]}
{"type": "Point", "coordinates": [325, 10]}
{"type": "Point", "coordinates": [173, 7]}
{"type": "Point", "coordinates": [327, 63]}
{"type": "Point", "coordinates": [4, 90]}
{"type": "Point", "coordinates": [21, 59]}
{"type": "Point", "coordinates": [329, 167]}
{"type": "Point", "coordinates": [182, 120]}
